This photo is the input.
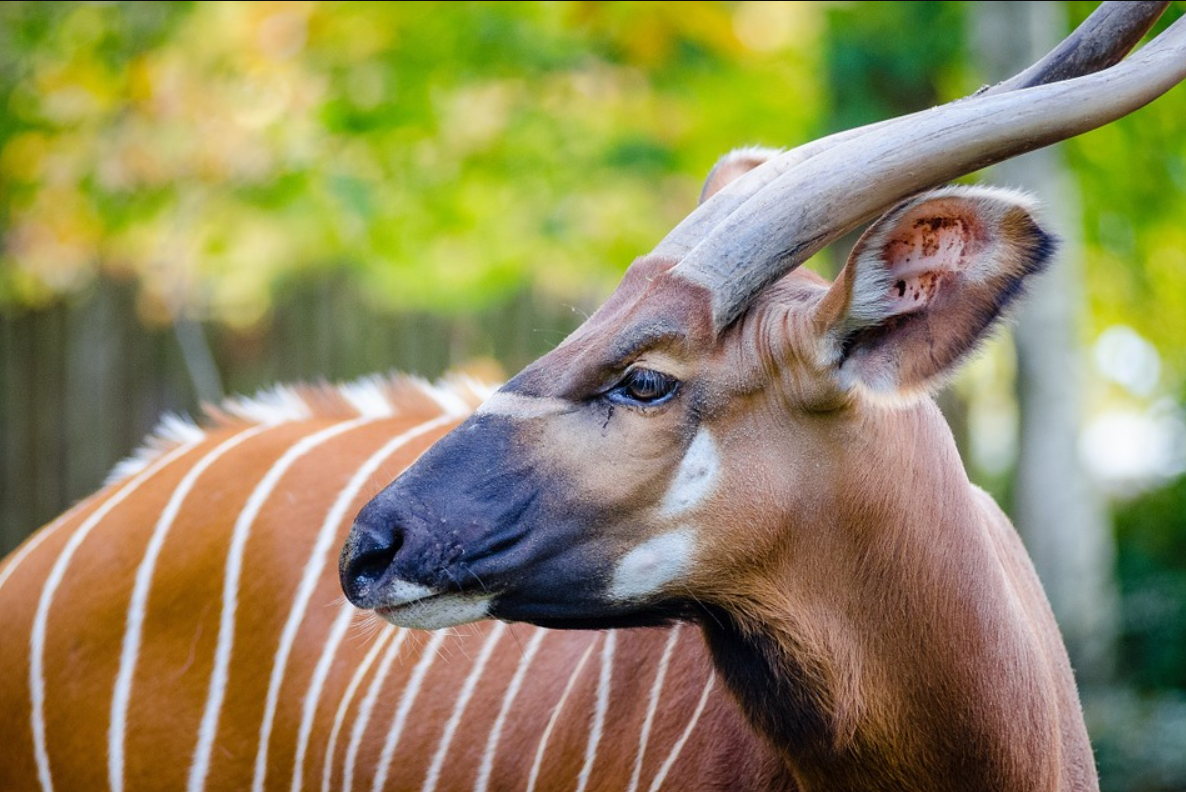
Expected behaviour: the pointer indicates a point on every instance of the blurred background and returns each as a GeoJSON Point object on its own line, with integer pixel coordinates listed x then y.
{"type": "Point", "coordinates": [199, 199]}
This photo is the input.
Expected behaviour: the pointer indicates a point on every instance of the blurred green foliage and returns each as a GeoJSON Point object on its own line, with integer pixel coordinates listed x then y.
{"type": "Point", "coordinates": [1152, 570]}
{"type": "Point", "coordinates": [224, 158]}
{"type": "Point", "coordinates": [874, 72]}
{"type": "Point", "coordinates": [444, 154]}
{"type": "Point", "coordinates": [1132, 177]}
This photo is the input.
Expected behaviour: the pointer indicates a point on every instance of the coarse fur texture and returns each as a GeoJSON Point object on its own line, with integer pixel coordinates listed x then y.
{"type": "Point", "coordinates": [722, 444]}
{"type": "Point", "coordinates": [371, 397]}
{"type": "Point", "coordinates": [139, 652]}
{"type": "Point", "coordinates": [792, 490]}
{"type": "Point", "coordinates": [926, 283]}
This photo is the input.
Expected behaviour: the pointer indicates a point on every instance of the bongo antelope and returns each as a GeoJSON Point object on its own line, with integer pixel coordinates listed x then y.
{"type": "Point", "coordinates": [199, 591]}
{"type": "Point", "coordinates": [738, 458]}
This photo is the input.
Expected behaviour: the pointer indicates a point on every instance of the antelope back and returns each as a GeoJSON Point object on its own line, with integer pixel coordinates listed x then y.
{"type": "Point", "coordinates": [183, 629]}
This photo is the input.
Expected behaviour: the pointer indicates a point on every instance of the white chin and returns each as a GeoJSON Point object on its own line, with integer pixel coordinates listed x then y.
{"type": "Point", "coordinates": [438, 611]}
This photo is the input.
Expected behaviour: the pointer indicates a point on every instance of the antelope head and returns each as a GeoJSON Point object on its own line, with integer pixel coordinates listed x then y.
{"type": "Point", "coordinates": [726, 431]}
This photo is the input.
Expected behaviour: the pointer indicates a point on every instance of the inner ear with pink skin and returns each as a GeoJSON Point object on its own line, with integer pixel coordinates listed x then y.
{"type": "Point", "coordinates": [925, 284]}
{"type": "Point", "coordinates": [922, 253]}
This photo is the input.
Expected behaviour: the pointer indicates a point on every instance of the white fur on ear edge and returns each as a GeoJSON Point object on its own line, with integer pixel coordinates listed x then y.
{"type": "Point", "coordinates": [925, 283]}
{"type": "Point", "coordinates": [871, 301]}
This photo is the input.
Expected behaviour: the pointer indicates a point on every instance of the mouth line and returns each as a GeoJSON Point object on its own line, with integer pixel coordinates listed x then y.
{"type": "Point", "coordinates": [387, 611]}
{"type": "Point", "coordinates": [436, 610]}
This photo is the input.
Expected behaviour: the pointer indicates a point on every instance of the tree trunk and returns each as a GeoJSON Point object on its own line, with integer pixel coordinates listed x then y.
{"type": "Point", "coordinates": [1062, 519]}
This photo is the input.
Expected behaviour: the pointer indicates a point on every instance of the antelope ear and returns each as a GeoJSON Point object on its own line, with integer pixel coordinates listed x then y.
{"type": "Point", "coordinates": [925, 284]}
{"type": "Point", "coordinates": [734, 164]}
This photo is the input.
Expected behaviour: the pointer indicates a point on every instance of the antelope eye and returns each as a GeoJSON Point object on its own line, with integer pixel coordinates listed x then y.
{"type": "Point", "coordinates": [644, 387]}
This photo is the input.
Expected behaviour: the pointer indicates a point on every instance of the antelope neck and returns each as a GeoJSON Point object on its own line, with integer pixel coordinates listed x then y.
{"type": "Point", "coordinates": [905, 654]}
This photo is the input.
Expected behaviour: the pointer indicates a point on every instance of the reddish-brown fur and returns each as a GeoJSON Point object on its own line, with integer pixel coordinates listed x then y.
{"type": "Point", "coordinates": [872, 613]}
{"type": "Point", "coordinates": [88, 619]}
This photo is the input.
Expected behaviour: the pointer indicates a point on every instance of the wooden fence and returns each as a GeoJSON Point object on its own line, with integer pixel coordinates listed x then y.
{"type": "Point", "coordinates": [82, 382]}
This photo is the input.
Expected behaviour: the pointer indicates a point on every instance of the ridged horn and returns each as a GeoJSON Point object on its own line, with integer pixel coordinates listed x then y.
{"type": "Point", "coordinates": [775, 217]}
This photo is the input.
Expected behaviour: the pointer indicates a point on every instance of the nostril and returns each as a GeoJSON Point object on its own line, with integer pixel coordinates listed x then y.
{"type": "Point", "coordinates": [365, 558]}
{"type": "Point", "coordinates": [371, 564]}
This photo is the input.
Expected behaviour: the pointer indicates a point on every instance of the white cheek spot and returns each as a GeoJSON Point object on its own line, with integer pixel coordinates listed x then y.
{"type": "Point", "coordinates": [696, 477]}
{"type": "Point", "coordinates": [516, 405]}
{"type": "Point", "coordinates": [653, 564]}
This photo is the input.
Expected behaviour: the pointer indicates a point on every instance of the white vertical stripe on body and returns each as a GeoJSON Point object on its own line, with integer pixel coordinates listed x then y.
{"type": "Point", "coordinates": [311, 576]}
{"type": "Point", "coordinates": [488, 754]}
{"type": "Point", "coordinates": [661, 776]}
{"type": "Point", "coordinates": [653, 705]}
{"type": "Point", "coordinates": [200, 766]}
{"type": "Point", "coordinates": [344, 704]}
{"type": "Point", "coordinates": [406, 701]}
{"type": "Point", "coordinates": [598, 724]}
{"type": "Point", "coordinates": [138, 605]}
{"type": "Point", "coordinates": [467, 691]}
{"type": "Point", "coordinates": [41, 618]}
{"type": "Point", "coordinates": [337, 633]}
{"type": "Point", "coordinates": [35, 541]}
{"type": "Point", "coordinates": [366, 708]}
{"type": "Point", "coordinates": [543, 740]}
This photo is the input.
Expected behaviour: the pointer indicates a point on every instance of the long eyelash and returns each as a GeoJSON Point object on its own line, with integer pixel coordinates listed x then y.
{"type": "Point", "coordinates": [663, 385]}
